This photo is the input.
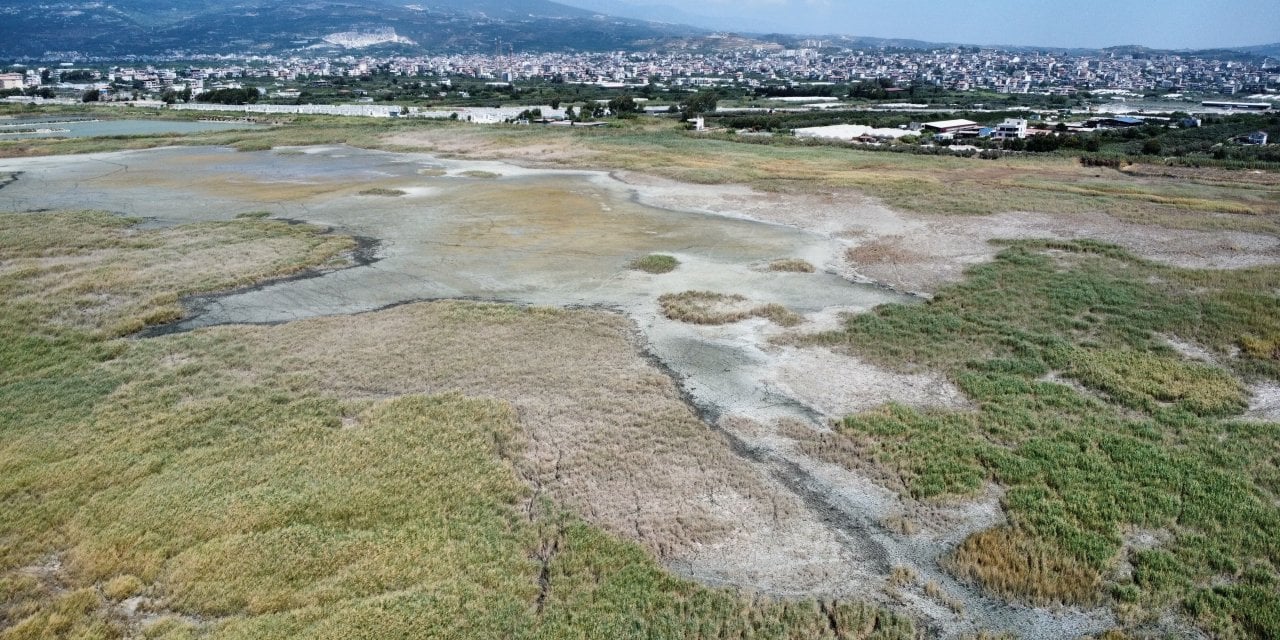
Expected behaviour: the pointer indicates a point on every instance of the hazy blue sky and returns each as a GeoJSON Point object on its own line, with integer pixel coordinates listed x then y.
{"type": "Point", "coordinates": [1081, 23]}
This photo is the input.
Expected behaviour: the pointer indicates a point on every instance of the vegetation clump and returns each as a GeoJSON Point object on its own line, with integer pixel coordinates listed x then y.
{"type": "Point", "coordinates": [791, 265]}
{"type": "Point", "coordinates": [384, 192]}
{"type": "Point", "coordinates": [483, 175]}
{"type": "Point", "coordinates": [1094, 425]}
{"type": "Point", "coordinates": [706, 307]}
{"type": "Point", "coordinates": [656, 263]}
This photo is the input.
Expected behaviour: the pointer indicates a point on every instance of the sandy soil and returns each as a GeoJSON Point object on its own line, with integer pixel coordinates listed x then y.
{"type": "Point", "coordinates": [838, 385]}
{"type": "Point", "coordinates": [1264, 403]}
{"type": "Point", "coordinates": [918, 252]}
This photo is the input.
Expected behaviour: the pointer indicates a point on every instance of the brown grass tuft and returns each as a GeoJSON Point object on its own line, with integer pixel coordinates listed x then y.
{"type": "Point", "coordinates": [1007, 562]}
{"type": "Point", "coordinates": [706, 307]}
{"type": "Point", "coordinates": [886, 250]}
{"type": "Point", "coordinates": [934, 591]}
{"type": "Point", "coordinates": [901, 576]}
{"type": "Point", "coordinates": [791, 265]}
{"type": "Point", "coordinates": [121, 587]}
{"type": "Point", "coordinates": [901, 525]}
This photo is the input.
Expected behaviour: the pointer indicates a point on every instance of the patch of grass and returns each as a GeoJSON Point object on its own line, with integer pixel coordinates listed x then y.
{"type": "Point", "coordinates": [656, 263]}
{"type": "Point", "coordinates": [1010, 563]}
{"type": "Point", "coordinates": [791, 265]}
{"type": "Point", "coordinates": [778, 314]}
{"type": "Point", "coordinates": [381, 191]}
{"type": "Point", "coordinates": [101, 275]}
{"type": "Point", "coordinates": [246, 487]}
{"type": "Point", "coordinates": [484, 175]}
{"type": "Point", "coordinates": [707, 307]}
{"type": "Point", "coordinates": [1093, 424]}
{"type": "Point", "coordinates": [252, 145]}
{"type": "Point", "coordinates": [253, 215]}
{"type": "Point", "coordinates": [121, 587]}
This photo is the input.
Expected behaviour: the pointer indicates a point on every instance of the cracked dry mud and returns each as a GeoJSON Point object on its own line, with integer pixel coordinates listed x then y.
{"type": "Point", "coordinates": [736, 504]}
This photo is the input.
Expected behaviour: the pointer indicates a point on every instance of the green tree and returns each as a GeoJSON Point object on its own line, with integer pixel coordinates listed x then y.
{"type": "Point", "coordinates": [623, 106]}
{"type": "Point", "coordinates": [92, 95]}
{"type": "Point", "coordinates": [700, 103]}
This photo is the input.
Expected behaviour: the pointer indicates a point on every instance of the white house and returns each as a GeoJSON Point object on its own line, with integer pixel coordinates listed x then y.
{"type": "Point", "coordinates": [1009, 129]}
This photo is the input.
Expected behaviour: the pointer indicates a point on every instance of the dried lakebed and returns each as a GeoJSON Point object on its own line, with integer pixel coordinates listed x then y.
{"type": "Point", "coordinates": [491, 231]}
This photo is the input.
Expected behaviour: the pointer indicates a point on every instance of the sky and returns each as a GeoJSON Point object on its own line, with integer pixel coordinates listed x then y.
{"type": "Point", "coordinates": [1165, 24]}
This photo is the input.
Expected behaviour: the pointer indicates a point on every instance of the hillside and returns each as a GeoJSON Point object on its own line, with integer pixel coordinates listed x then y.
{"type": "Point", "coordinates": [153, 27]}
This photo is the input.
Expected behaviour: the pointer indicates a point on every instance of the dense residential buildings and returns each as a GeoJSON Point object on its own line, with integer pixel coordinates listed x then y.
{"type": "Point", "coordinates": [959, 69]}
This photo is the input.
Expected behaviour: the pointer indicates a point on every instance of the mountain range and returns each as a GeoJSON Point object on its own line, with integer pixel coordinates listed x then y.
{"type": "Point", "coordinates": [158, 27]}
{"type": "Point", "coordinates": [119, 28]}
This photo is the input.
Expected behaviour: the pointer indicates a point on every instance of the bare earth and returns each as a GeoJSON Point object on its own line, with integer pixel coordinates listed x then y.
{"type": "Point", "coordinates": [918, 253]}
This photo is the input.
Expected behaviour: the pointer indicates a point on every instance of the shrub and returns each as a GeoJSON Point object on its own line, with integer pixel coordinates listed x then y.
{"type": "Point", "coordinates": [656, 263]}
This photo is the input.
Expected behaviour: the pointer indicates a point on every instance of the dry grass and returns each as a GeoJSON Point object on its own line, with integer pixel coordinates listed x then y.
{"type": "Point", "coordinates": [936, 592]}
{"type": "Point", "coordinates": [902, 576]}
{"type": "Point", "coordinates": [791, 265]}
{"type": "Point", "coordinates": [483, 175]}
{"type": "Point", "coordinates": [710, 308]}
{"type": "Point", "coordinates": [119, 279]}
{"type": "Point", "coordinates": [121, 587]}
{"type": "Point", "coordinates": [1014, 565]}
{"type": "Point", "coordinates": [591, 446]}
{"type": "Point", "coordinates": [886, 250]}
{"type": "Point", "coordinates": [295, 481]}
{"type": "Point", "coordinates": [901, 525]}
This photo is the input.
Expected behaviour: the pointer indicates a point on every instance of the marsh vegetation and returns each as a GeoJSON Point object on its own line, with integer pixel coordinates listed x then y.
{"type": "Point", "coordinates": [254, 482]}
{"type": "Point", "coordinates": [708, 307]}
{"type": "Point", "coordinates": [791, 265]}
{"type": "Point", "coordinates": [656, 263]}
{"type": "Point", "coordinates": [1096, 426]}
{"type": "Point", "coordinates": [460, 465]}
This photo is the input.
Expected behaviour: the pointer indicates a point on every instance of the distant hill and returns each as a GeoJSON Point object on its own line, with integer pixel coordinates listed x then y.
{"type": "Point", "coordinates": [1269, 50]}
{"type": "Point", "coordinates": [157, 27]}
{"type": "Point", "coordinates": [173, 27]}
